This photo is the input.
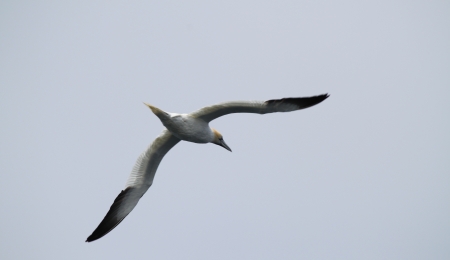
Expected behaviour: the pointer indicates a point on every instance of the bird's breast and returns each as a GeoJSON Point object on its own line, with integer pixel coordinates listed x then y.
{"type": "Point", "coordinates": [189, 129]}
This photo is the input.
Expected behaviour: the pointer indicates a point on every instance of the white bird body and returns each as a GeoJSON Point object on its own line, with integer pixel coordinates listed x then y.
{"type": "Point", "coordinates": [184, 126]}
{"type": "Point", "coordinates": [193, 127]}
{"type": "Point", "coordinates": [190, 129]}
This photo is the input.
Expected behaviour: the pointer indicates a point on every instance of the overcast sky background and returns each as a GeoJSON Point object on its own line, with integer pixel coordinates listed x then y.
{"type": "Point", "coordinates": [363, 175]}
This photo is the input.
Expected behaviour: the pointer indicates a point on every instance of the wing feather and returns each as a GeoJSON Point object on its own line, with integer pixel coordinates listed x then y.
{"type": "Point", "coordinates": [141, 178]}
{"type": "Point", "coordinates": [258, 107]}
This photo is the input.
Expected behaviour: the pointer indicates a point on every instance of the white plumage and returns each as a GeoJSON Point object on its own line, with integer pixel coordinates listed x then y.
{"type": "Point", "coordinates": [193, 127]}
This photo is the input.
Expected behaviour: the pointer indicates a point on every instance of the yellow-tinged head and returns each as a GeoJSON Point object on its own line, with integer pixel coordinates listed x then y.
{"type": "Point", "coordinates": [218, 139]}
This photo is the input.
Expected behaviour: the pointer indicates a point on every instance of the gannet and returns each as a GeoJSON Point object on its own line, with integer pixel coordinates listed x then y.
{"type": "Point", "coordinates": [193, 127]}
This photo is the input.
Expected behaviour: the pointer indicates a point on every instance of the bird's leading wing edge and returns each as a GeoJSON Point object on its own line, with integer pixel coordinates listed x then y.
{"type": "Point", "coordinates": [141, 178]}
{"type": "Point", "coordinates": [210, 113]}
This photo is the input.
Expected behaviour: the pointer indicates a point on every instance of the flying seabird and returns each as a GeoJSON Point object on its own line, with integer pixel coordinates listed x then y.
{"type": "Point", "coordinates": [193, 127]}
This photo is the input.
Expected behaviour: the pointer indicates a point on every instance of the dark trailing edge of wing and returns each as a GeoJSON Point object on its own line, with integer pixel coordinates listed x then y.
{"type": "Point", "coordinates": [110, 221]}
{"type": "Point", "coordinates": [302, 102]}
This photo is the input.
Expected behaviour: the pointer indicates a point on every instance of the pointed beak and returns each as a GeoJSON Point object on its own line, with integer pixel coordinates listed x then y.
{"type": "Point", "coordinates": [224, 145]}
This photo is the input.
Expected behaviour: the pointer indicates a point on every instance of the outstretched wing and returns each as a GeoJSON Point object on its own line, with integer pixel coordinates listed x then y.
{"type": "Point", "coordinates": [259, 107]}
{"type": "Point", "coordinates": [140, 180]}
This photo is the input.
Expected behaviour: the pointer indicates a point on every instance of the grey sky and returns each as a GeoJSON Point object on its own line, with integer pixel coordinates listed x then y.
{"type": "Point", "coordinates": [363, 175]}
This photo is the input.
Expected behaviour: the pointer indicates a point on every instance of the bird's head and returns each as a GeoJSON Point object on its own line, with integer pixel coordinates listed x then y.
{"type": "Point", "coordinates": [218, 139]}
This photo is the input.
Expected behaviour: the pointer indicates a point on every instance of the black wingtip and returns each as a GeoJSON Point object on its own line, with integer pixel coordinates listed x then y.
{"type": "Point", "coordinates": [320, 98]}
{"type": "Point", "coordinates": [110, 221]}
{"type": "Point", "coordinates": [301, 102]}
{"type": "Point", "coordinates": [98, 233]}
{"type": "Point", "coordinates": [310, 101]}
